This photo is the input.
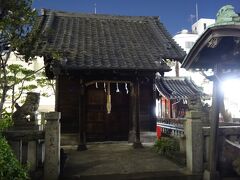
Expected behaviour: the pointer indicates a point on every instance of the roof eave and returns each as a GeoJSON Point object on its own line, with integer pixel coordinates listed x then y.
{"type": "Point", "coordinates": [215, 31]}
{"type": "Point", "coordinates": [113, 69]}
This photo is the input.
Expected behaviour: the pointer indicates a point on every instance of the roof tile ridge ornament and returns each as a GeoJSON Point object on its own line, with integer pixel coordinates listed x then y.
{"type": "Point", "coordinates": [227, 16]}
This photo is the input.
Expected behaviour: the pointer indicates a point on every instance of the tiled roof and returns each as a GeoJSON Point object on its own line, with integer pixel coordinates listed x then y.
{"type": "Point", "coordinates": [177, 87]}
{"type": "Point", "coordinates": [94, 41]}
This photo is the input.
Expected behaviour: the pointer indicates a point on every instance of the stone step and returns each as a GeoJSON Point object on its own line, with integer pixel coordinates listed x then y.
{"type": "Point", "coordinates": [148, 137]}
{"type": "Point", "coordinates": [72, 138]}
{"type": "Point", "coordinates": [163, 175]}
{"type": "Point", "coordinates": [69, 139]}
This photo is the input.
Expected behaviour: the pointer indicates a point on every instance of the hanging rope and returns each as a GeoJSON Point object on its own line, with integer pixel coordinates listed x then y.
{"type": "Point", "coordinates": [108, 99]}
{"type": "Point", "coordinates": [117, 89]}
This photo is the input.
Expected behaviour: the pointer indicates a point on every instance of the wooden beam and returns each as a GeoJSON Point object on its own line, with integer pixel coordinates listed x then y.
{"type": "Point", "coordinates": [107, 81]}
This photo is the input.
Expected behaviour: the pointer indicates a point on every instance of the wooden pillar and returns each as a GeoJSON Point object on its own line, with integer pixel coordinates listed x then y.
{"type": "Point", "coordinates": [135, 114]}
{"type": "Point", "coordinates": [153, 116]}
{"type": "Point", "coordinates": [177, 69]}
{"type": "Point", "coordinates": [214, 123]}
{"type": "Point", "coordinates": [57, 94]}
{"type": "Point", "coordinates": [82, 118]}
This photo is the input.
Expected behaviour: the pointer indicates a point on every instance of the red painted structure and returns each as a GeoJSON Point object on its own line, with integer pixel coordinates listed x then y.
{"type": "Point", "coordinates": [172, 97]}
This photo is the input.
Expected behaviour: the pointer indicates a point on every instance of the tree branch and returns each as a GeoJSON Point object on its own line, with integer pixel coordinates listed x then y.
{"type": "Point", "coordinates": [25, 77]}
{"type": "Point", "coordinates": [20, 94]}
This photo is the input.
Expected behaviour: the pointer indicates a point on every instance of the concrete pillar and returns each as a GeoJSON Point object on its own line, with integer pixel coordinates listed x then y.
{"type": "Point", "coordinates": [52, 146]}
{"type": "Point", "coordinates": [194, 141]}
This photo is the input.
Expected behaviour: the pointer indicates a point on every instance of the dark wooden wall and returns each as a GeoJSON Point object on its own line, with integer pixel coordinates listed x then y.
{"type": "Point", "coordinates": [68, 103]}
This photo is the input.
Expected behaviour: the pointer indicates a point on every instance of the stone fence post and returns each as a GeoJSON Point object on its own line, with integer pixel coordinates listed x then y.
{"type": "Point", "coordinates": [52, 146]}
{"type": "Point", "coordinates": [194, 141]}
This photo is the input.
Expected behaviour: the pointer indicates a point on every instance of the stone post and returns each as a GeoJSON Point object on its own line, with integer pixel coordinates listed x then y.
{"type": "Point", "coordinates": [17, 148]}
{"type": "Point", "coordinates": [52, 146]}
{"type": "Point", "coordinates": [32, 154]}
{"type": "Point", "coordinates": [194, 141]}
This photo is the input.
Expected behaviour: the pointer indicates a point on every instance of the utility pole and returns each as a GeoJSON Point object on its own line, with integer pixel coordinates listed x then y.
{"type": "Point", "coordinates": [196, 12]}
{"type": "Point", "coordinates": [95, 8]}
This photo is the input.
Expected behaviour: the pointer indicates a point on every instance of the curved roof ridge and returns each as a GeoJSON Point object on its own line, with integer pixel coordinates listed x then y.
{"type": "Point", "coordinates": [162, 88]}
{"type": "Point", "coordinates": [177, 87]}
{"type": "Point", "coordinates": [193, 86]}
{"type": "Point", "coordinates": [101, 16]}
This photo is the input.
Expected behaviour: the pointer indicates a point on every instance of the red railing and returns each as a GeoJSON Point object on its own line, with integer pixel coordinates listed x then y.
{"type": "Point", "coordinates": [170, 126]}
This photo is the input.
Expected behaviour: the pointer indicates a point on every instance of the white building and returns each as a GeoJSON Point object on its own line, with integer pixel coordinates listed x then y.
{"type": "Point", "coordinates": [201, 25]}
{"type": "Point", "coordinates": [186, 39]}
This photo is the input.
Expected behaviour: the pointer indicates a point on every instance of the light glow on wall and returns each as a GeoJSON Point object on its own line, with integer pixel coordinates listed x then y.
{"type": "Point", "coordinates": [231, 89]}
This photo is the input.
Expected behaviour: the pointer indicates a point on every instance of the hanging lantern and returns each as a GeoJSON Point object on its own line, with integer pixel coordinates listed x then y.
{"type": "Point", "coordinates": [117, 90]}
{"type": "Point", "coordinates": [108, 99]}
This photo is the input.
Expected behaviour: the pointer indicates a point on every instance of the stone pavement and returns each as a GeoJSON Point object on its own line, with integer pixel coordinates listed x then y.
{"type": "Point", "coordinates": [119, 161]}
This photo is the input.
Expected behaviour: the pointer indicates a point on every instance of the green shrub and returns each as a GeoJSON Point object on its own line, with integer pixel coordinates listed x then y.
{"type": "Point", "coordinates": [10, 167]}
{"type": "Point", "coordinates": [5, 120]}
{"type": "Point", "coordinates": [166, 146]}
{"type": "Point", "coordinates": [236, 165]}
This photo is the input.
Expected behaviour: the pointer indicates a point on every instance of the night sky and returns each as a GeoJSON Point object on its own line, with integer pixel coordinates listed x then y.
{"type": "Point", "coordinates": [174, 14]}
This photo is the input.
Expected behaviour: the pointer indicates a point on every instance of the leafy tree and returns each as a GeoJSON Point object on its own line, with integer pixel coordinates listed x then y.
{"type": "Point", "coordinates": [16, 20]}
{"type": "Point", "coordinates": [43, 82]}
{"type": "Point", "coordinates": [22, 80]}
{"type": "Point", "coordinates": [16, 37]}
{"type": "Point", "coordinates": [5, 122]}
{"type": "Point", "coordinates": [19, 79]}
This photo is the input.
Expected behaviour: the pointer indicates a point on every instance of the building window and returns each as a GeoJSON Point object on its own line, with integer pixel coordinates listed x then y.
{"type": "Point", "coordinates": [204, 26]}
{"type": "Point", "coordinates": [189, 44]}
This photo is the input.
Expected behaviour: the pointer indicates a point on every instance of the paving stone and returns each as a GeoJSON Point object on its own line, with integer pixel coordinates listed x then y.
{"type": "Point", "coordinates": [119, 161]}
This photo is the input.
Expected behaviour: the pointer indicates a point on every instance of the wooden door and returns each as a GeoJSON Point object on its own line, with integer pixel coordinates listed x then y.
{"type": "Point", "coordinates": [102, 126]}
